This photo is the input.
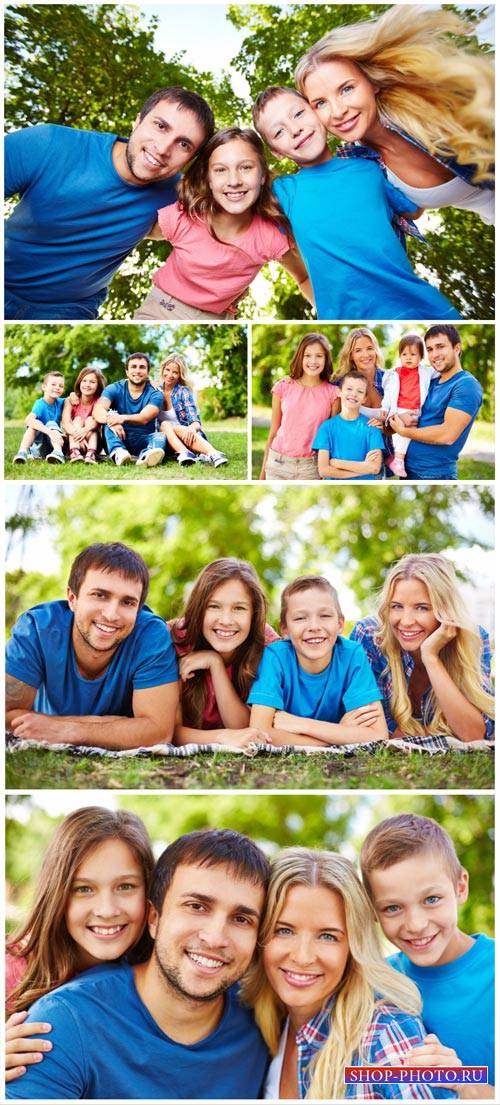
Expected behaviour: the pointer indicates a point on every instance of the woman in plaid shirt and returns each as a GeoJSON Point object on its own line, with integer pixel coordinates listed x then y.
{"type": "Point", "coordinates": [180, 420]}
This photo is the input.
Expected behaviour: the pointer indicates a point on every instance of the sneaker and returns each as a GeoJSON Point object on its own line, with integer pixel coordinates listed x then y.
{"type": "Point", "coordinates": [186, 457]}
{"type": "Point", "coordinates": [151, 457]}
{"type": "Point", "coordinates": [35, 453]}
{"type": "Point", "coordinates": [122, 456]}
{"type": "Point", "coordinates": [397, 467]}
{"type": "Point", "coordinates": [90, 457]}
{"type": "Point", "coordinates": [217, 458]}
{"type": "Point", "coordinates": [55, 457]}
{"type": "Point", "coordinates": [203, 458]}
{"type": "Point", "coordinates": [74, 456]}
{"type": "Point", "coordinates": [21, 457]}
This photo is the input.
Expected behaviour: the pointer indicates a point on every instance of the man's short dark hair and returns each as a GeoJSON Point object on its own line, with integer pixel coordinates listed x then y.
{"type": "Point", "coordinates": [445, 328]}
{"type": "Point", "coordinates": [190, 101]}
{"type": "Point", "coordinates": [138, 357]}
{"type": "Point", "coordinates": [210, 848]}
{"type": "Point", "coordinates": [113, 557]}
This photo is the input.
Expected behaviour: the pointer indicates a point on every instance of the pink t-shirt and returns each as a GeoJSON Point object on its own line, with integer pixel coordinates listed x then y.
{"type": "Point", "coordinates": [82, 410]}
{"type": "Point", "coordinates": [303, 409]}
{"type": "Point", "coordinates": [205, 273]}
{"type": "Point", "coordinates": [15, 967]}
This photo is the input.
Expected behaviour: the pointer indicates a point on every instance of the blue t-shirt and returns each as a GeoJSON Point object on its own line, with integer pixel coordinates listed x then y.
{"type": "Point", "coordinates": [340, 213]}
{"type": "Point", "coordinates": [462, 392]}
{"type": "Point", "coordinates": [345, 684]}
{"type": "Point", "coordinates": [459, 1001]}
{"type": "Point", "coordinates": [348, 439]}
{"type": "Point", "coordinates": [40, 653]}
{"type": "Point", "coordinates": [124, 403]}
{"type": "Point", "coordinates": [48, 412]}
{"type": "Point", "coordinates": [107, 1045]}
{"type": "Point", "coordinates": [77, 219]}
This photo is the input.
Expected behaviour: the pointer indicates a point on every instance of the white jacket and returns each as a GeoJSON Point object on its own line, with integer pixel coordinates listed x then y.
{"type": "Point", "coordinates": [391, 382]}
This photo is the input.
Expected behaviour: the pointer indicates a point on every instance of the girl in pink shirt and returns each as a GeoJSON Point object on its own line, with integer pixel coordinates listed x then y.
{"type": "Point", "coordinates": [77, 416]}
{"type": "Point", "coordinates": [224, 228]}
{"type": "Point", "coordinates": [301, 402]}
{"type": "Point", "coordinates": [220, 639]}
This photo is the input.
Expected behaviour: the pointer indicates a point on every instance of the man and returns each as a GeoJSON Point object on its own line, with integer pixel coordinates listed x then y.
{"type": "Point", "coordinates": [87, 199]}
{"type": "Point", "coordinates": [129, 427]}
{"type": "Point", "coordinates": [99, 668]}
{"type": "Point", "coordinates": [170, 1028]}
{"type": "Point", "coordinates": [448, 414]}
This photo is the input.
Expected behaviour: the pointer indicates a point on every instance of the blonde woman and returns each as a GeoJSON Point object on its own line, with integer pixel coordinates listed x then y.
{"type": "Point", "coordinates": [400, 86]}
{"type": "Point", "coordinates": [180, 420]}
{"type": "Point", "coordinates": [362, 352]}
{"type": "Point", "coordinates": [430, 660]}
{"type": "Point", "coordinates": [324, 996]}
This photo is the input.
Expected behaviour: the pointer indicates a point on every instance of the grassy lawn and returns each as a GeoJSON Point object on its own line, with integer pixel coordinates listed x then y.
{"type": "Point", "coordinates": [229, 436]}
{"type": "Point", "coordinates": [385, 769]}
{"type": "Point", "coordinates": [481, 440]}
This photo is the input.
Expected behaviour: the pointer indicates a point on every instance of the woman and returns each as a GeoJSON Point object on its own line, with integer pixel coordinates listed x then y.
{"type": "Point", "coordinates": [431, 662]}
{"type": "Point", "coordinates": [399, 86]}
{"type": "Point", "coordinates": [362, 352]}
{"type": "Point", "coordinates": [324, 996]}
{"type": "Point", "coordinates": [180, 420]}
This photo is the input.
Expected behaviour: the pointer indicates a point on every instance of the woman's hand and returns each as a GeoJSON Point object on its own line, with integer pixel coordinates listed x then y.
{"type": "Point", "coordinates": [433, 644]}
{"type": "Point", "coordinates": [20, 1047]}
{"type": "Point", "coordinates": [204, 660]}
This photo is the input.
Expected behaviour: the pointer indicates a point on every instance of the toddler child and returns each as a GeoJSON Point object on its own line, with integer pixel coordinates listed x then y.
{"type": "Point", "coordinates": [405, 390]}
{"type": "Point", "coordinates": [349, 448]}
{"type": "Point", "coordinates": [43, 438]}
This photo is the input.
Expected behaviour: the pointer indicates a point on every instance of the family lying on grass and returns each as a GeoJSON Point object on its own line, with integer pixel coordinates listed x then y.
{"type": "Point", "coordinates": [130, 420]}
{"type": "Point", "coordinates": [131, 971]}
{"type": "Point", "coordinates": [100, 668]}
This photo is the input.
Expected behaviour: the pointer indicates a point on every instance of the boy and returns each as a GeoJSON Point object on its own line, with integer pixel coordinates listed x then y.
{"type": "Point", "coordinates": [340, 209]}
{"type": "Point", "coordinates": [43, 424]}
{"type": "Point", "coordinates": [416, 882]}
{"type": "Point", "coordinates": [405, 389]}
{"type": "Point", "coordinates": [348, 447]}
{"type": "Point", "coordinates": [307, 685]}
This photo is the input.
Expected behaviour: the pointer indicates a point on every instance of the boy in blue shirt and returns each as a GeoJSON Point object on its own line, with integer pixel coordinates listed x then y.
{"type": "Point", "coordinates": [43, 437]}
{"type": "Point", "coordinates": [307, 685]}
{"type": "Point", "coordinates": [416, 882]}
{"type": "Point", "coordinates": [348, 447]}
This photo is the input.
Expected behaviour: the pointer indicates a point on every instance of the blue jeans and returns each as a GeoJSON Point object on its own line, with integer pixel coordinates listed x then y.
{"type": "Point", "coordinates": [16, 308]}
{"type": "Point", "coordinates": [137, 443]}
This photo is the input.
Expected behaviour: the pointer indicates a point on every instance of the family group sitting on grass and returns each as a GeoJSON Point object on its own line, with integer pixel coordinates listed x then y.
{"type": "Point", "coordinates": [214, 974]}
{"type": "Point", "coordinates": [130, 420]}
{"type": "Point", "coordinates": [343, 425]}
{"type": "Point", "coordinates": [101, 669]}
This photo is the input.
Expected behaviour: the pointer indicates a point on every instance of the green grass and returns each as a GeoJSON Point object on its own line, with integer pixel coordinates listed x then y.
{"type": "Point", "coordinates": [230, 437]}
{"type": "Point", "coordinates": [385, 769]}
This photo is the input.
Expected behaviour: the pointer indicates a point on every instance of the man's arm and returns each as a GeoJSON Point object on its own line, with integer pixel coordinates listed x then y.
{"type": "Point", "coordinates": [146, 415]}
{"type": "Point", "coordinates": [19, 697]}
{"type": "Point", "coordinates": [445, 433]}
{"type": "Point", "coordinates": [101, 409]}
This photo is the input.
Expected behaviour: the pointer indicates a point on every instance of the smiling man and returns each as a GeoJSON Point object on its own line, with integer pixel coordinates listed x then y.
{"type": "Point", "coordinates": [128, 409]}
{"type": "Point", "coordinates": [96, 669]}
{"type": "Point", "coordinates": [87, 198]}
{"type": "Point", "coordinates": [173, 1027]}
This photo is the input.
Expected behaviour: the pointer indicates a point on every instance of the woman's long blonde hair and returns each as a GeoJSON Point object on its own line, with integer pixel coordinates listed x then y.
{"type": "Point", "coordinates": [345, 356]}
{"type": "Point", "coordinates": [461, 656]}
{"type": "Point", "coordinates": [438, 92]}
{"type": "Point", "coordinates": [367, 978]}
{"type": "Point", "coordinates": [175, 358]}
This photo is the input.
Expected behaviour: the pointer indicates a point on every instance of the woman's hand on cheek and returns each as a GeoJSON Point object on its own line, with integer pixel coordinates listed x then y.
{"type": "Point", "coordinates": [198, 661]}
{"type": "Point", "coordinates": [437, 640]}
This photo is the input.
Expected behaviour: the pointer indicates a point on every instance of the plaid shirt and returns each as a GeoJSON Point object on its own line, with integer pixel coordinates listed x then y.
{"type": "Point", "coordinates": [182, 400]}
{"type": "Point", "coordinates": [386, 1041]}
{"type": "Point", "coordinates": [365, 632]}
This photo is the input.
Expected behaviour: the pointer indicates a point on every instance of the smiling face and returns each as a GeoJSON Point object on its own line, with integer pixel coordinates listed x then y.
{"type": "Point", "coordinates": [313, 360]}
{"type": "Point", "coordinates": [410, 356]}
{"type": "Point", "coordinates": [235, 176]}
{"type": "Point", "coordinates": [170, 374]}
{"type": "Point", "coordinates": [343, 98]}
{"type": "Point", "coordinates": [206, 933]}
{"type": "Point", "coordinates": [306, 956]}
{"type": "Point", "coordinates": [364, 356]}
{"type": "Point", "coordinates": [137, 371]}
{"type": "Point", "coordinates": [411, 616]}
{"type": "Point", "coordinates": [105, 611]}
{"type": "Point", "coordinates": [161, 144]}
{"type": "Point", "coordinates": [443, 356]}
{"type": "Point", "coordinates": [417, 903]}
{"type": "Point", "coordinates": [228, 617]}
{"type": "Point", "coordinates": [353, 393]}
{"type": "Point", "coordinates": [106, 908]}
{"type": "Point", "coordinates": [89, 385]}
{"type": "Point", "coordinates": [292, 129]}
{"type": "Point", "coordinates": [53, 388]}
{"type": "Point", "coordinates": [313, 624]}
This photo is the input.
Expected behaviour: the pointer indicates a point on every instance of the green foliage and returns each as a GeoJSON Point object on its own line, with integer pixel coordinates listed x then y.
{"type": "Point", "coordinates": [460, 254]}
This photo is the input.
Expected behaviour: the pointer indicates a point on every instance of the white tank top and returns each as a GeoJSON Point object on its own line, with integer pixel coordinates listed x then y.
{"type": "Point", "coordinates": [453, 193]}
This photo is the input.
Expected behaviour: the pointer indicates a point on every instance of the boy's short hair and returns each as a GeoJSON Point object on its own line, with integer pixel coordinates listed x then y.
{"type": "Point", "coordinates": [412, 339]}
{"type": "Point", "coordinates": [306, 583]}
{"type": "Point", "coordinates": [112, 557]}
{"type": "Point", "coordinates": [210, 848]}
{"type": "Point", "coordinates": [353, 374]}
{"type": "Point", "coordinates": [54, 373]}
{"type": "Point", "coordinates": [403, 836]}
{"type": "Point", "coordinates": [445, 328]}
{"type": "Point", "coordinates": [265, 97]}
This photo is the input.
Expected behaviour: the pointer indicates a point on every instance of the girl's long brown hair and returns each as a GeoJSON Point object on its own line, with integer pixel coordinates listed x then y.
{"type": "Point", "coordinates": [296, 367]}
{"type": "Point", "coordinates": [101, 380]}
{"type": "Point", "coordinates": [188, 632]}
{"type": "Point", "coordinates": [43, 940]}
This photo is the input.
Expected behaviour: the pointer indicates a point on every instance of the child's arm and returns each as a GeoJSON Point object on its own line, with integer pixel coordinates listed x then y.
{"type": "Point", "coordinates": [236, 738]}
{"type": "Point", "coordinates": [293, 263]}
{"type": "Point", "coordinates": [276, 416]}
{"type": "Point", "coordinates": [33, 423]}
{"type": "Point", "coordinates": [264, 716]}
{"type": "Point", "coordinates": [330, 732]}
{"type": "Point", "coordinates": [155, 233]}
{"type": "Point", "coordinates": [432, 1053]}
{"type": "Point", "coordinates": [234, 713]}
{"type": "Point", "coordinates": [345, 469]}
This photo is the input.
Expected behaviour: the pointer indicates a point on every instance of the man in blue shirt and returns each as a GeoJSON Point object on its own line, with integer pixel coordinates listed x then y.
{"type": "Point", "coordinates": [87, 199]}
{"type": "Point", "coordinates": [99, 669]}
{"type": "Point", "coordinates": [128, 408]}
{"type": "Point", "coordinates": [448, 414]}
{"type": "Point", "coordinates": [173, 1027]}
{"type": "Point", "coordinates": [348, 447]}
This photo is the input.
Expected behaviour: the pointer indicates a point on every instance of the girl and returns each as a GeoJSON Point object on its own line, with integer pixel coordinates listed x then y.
{"type": "Point", "coordinates": [180, 421]}
{"type": "Point", "coordinates": [324, 996]}
{"type": "Point", "coordinates": [224, 228]}
{"type": "Point", "coordinates": [431, 662]}
{"type": "Point", "coordinates": [89, 908]}
{"type": "Point", "coordinates": [399, 85]}
{"type": "Point", "coordinates": [301, 402]}
{"type": "Point", "coordinates": [77, 418]}
{"type": "Point", "coordinates": [220, 639]}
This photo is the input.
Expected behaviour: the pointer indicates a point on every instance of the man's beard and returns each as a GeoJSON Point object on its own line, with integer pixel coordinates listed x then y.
{"type": "Point", "coordinates": [173, 977]}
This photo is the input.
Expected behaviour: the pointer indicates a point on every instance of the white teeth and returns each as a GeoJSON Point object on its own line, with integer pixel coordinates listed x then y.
{"type": "Point", "coordinates": [204, 960]}
{"type": "Point", "coordinates": [296, 977]}
{"type": "Point", "coordinates": [106, 931]}
{"type": "Point", "coordinates": [226, 632]}
{"type": "Point", "coordinates": [106, 628]}
{"type": "Point", "coordinates": [422, 943]}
